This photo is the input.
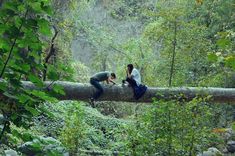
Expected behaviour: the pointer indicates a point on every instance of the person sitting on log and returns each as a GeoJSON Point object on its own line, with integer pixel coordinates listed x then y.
{"type": "Point", "coordinates": [95, 81]}
{"type": "Point", "coordinates": [134, 80]}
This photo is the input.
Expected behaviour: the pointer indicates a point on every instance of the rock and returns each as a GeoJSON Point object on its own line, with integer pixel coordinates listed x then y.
{"type": "Point", "coordinates": [225, 150]}
{"type": "Point", "coordinates": [231, 146]}
{"type": "Point", "coordinates": [228, 133]}
{"type": "Point", "coordinates": [2, 119]}
{"type": "Point", "coordinates": [1, 127]}
{"type": "Point", "coordinates": [212, 151]}
{"type": "Point", "coordinates": [10, 153]}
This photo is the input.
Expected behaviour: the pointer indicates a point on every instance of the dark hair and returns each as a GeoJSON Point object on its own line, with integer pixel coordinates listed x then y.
{"type": "Point", "coordinates": [113, 75]}
{"type": "Point", "coordinates": [131, 67]}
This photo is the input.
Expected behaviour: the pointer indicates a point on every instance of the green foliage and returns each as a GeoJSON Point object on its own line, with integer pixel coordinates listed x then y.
{"type": "Point", "coordinates": [217, 16]}
{"type": "Point", "coordinates": [24, 28]}
{"type": "Point", "coordinates": [140, 54]}
{"type": "Point", "coordinates": [105, 132]}
{"type": "Point", "coordinates": [201, 33]}
{"type": "Point", "coordinates": [123, 110]}
{"type": "Point", "coordinates": [74, 130]}
{"type": "Point", "coordinates": [81, 72]}
{"type": "Point", "coordinates": [43, 146]}
{"type": "Point", "coordinates": [31, 142]}
{"type": "Point", "coordinates": [86, 128]}
{"type": "Point", "coordinates": [130, 9]}
{"type": "Point", "coordinates": [204, 57]}
{"type": "Point", "coordinates": [21, 27]}
{"type": "Point", "coordinates": [230, 61]}
{"type": "Point", "coordinates": [173, 28]}
{"type": "Point", "coordinates": [172, 128]}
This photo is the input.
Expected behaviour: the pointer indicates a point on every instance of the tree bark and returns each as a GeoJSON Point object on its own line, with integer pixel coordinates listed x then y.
{"type": "Point", "coordinates": [50, 53]}
{"type": "Point", "coordinates": [173, 54]}
{"type": "Point", "coordinates": [1, 2]}
{"type": "Point", "coordinates": [79, 91]}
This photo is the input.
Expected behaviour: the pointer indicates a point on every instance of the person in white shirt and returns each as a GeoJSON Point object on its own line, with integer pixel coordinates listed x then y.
{"type": "Point", "coordinates": [133, 74]}
{"type": "Point", "coordinates": [134, 80]}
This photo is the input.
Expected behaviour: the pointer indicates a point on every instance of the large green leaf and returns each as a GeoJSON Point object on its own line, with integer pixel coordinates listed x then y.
{"type": "Point", "coordinates": [43, 96]}
{"type": "Point", "coordinates": [3, 86]}
{"type": "Point", "coordinates": [34, 55]}
{"type": "Point", "coordinates": [47, 9]}
{"type": "Point", "coordinates": [223, 43]}
{"type": "Point", "coordinates": [46, 111]}
{"type": "Point", "coordinates": [58, 89]}
{"type": "Point", "coordinates": [18, 67]}
{"type": "Point", "coordinates": [19, 21]}
{"type": "Point", "coordinates": [10, 5]}
{"type": "Point", "coordinates": [3, 28]}
{"type": "Point", "coordinates": [32, 110]}
{"type": "Point", "coordinates": [36, 6]}
{"type": "Point", "coordinates": [36, 80]}
{"type": "Point", "coordinates": [53, 75]}
{"type": "Point", "coordinates": [26, 136]}
{"type": "Point", "coordinates": [31, 24]}
{"type": "Point", "coordinates": [25, 67]}
{"type": "Point", "coordinates": [4, 46]}
{"type": "Point", "coordinates": [23, 98]}
{"type": "Point", "coordinates": [212, 57]}
{"type": "Point", "coordinates": [21, 7]}
{"type": "Point", "coordinates": [9, 95]}
{"type": "Point", "coordinates": [13, 31]}
{"type": "Point", "coordinates": [44, 27]}
{"type": "Point", "coordinates": [233, 126]}
{"type": "Point", "coordinates": [230, 61]}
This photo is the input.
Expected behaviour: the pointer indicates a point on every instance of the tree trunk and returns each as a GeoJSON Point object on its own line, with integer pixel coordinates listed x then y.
{"type": "Point", "coordinates": [173, 54]}
{"type": "Point", "coordinates": [79, 91]}
{"type": "Point", "coordinates": [1, 2]}
{"type": "Point", "coordinates": [51, 52]}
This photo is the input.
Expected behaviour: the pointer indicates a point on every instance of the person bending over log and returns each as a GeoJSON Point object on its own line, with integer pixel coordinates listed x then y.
{"type": "Point", "coordinates": [134, 80]}
{"type": "Point", "coordinates": [95, 81]}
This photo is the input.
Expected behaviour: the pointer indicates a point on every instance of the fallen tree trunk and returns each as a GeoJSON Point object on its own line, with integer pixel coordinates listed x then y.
{"type": "Point", "coordinates": [80, 91]}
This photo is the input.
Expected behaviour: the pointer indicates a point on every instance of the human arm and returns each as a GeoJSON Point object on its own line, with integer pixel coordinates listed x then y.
{"type": "Point", "coordinates": [110, 80]}
{"type": "Point", "coordinates": [128, 74]}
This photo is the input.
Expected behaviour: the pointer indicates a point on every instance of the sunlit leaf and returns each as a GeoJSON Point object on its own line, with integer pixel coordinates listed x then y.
{"type": "Point", "coordinates": [44, 27]}
{"type": "Point", "coordinates": [53, 75]}
{"type": "Point", "coordinates": [36, 80]}
{"type": "Point", "coordinates": [34, 111]}
{"type": "Point", "coordinates": [230, 61]}
{"type": "Point", "coordinates": [58, 89]}
{"type": "Point", "coordinates": [223, 43]}
{"type": "Point", "coordinates": [233, 126]}
{"type": "Point", "coordinates": [36, 6]}
{"type": "Point", "coordinates": [10, 95]}
{"type": "Point", "coordinates": [212, 57]}
{"type": "Point", "coordinates": [43, 95]}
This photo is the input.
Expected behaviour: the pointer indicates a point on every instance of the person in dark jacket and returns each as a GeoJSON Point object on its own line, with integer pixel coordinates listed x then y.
{"type": "Point", "coordinates": [95, 81]}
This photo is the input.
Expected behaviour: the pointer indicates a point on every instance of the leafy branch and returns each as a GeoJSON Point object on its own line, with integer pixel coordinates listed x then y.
{"type": "Point", "coordinates": [12, 46]}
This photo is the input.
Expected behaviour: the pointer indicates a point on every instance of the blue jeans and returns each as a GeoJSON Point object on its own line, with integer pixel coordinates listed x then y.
{"type": "Point", "coordinates": [98, 86]}
{"type": "Point", "coordinates": [132, 82]}
{"type": "Point", "coordinates": [138, 90]}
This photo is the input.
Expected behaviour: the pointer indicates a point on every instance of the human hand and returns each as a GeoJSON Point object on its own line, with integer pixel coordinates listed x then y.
{"type": "Point", "coordinates": [110, 86]}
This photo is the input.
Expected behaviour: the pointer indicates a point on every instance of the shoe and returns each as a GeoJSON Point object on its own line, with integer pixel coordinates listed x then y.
{"type": "Point", "coordinates": [125, 83]}
{"type": "Point", "coordinates": [92, 102]}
